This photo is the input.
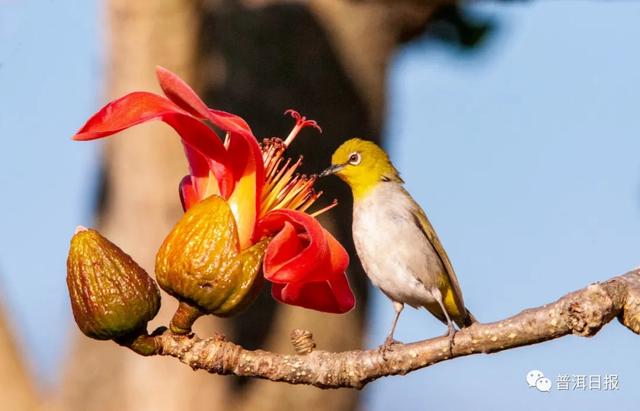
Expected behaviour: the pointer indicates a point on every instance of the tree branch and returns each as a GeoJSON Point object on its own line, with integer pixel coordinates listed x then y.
{"type": "Point", "coordinates": [582, 312]}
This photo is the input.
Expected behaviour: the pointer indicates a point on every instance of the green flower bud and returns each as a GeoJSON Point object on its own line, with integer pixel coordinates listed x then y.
{"type": "Point", "coordinates": [111, 295]}
{"type": "Point", "coordinates": [200, 264]}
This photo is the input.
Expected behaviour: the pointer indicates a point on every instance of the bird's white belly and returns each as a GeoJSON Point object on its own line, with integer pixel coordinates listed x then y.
{"type": "Point", "coordinates": [391, 248]}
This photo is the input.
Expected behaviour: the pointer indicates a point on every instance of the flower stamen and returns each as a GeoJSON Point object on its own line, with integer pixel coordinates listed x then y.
{"type": "Point", "coordinates": [284, 187]}
{"type": "Point", "coordinates": [301, 122]}
{"type": "Point", "coordinates": [325, 209]}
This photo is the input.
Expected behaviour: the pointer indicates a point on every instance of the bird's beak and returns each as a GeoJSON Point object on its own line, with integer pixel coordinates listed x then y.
{"type": "Point", "coordinates": [332, 170]}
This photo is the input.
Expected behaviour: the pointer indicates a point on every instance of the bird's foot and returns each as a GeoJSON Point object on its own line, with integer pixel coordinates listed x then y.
{"type": "Point", "coordinates": [389, 341]}
{"type": "Point", "coordinates": [451, 333]}
{"type": "Point", "coordinates": [387, 346]}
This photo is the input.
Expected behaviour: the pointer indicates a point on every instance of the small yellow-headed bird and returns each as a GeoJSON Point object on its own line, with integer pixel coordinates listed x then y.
{"type": "Point", "coordinates": [397, 245]}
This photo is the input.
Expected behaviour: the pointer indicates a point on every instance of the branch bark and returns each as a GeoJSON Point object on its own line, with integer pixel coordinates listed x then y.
{"type": "Point", "coordinates": [583, 312]}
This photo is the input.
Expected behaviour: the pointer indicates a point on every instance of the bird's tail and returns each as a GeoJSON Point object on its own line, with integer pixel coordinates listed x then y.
{"type": "Point", "coordinates": [469, 319]}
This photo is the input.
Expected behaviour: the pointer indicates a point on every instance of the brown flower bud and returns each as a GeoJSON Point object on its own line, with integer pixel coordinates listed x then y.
{"type": "Point", "coordinates": [199, 263]}
{"type": "Point", "coordinates": [111, 295]}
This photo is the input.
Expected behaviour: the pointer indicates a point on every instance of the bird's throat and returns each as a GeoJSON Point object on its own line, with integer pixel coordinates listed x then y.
{"type": "Point", "coordinates": [362, 189]}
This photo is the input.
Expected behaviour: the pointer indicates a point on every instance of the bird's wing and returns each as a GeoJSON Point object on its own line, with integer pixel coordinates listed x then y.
{"type": "Point", "coordinates": [423, 222]}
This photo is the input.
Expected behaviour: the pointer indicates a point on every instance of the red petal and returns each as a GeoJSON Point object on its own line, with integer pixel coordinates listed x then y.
{"type": "Point", "coordinates": [300, 254]}
{"type": "Point", "coordinates": [248, 170]}
{"type": "Point", "coordinates": [198, 170]}
{"type": "Point", "coordinates": [188, 194]}
{"type": "Point", "coordinates": [342, 292]}
{"type": "Point", "coordinates": [134, 108]}
{"type": "Point", "coordinates": [339, 256]}
{"type": "Point", "coordinates": [205, 152]}
{"type": "Point", "coordinates": [179, 92]}
{"type": "Point", "coordinates": [229, 122]}
{"type": "Point", "coordinates": [305, 263]}
{"type": "Point", "coordinates": [139, 107]}
{"type": "Point", "coordinates": [329, 296]}
{"type": "Point", "coordinates": [244, 151]}
{"type": "Point", "coordinates": [286, 244]}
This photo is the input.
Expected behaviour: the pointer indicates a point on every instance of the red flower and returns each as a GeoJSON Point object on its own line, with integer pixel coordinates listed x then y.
{"type": "Point", "coordinates": [305, 263]}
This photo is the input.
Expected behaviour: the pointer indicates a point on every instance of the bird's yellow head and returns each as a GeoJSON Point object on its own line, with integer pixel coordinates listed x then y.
{"type": "Point", "coordinates": [362, 165]}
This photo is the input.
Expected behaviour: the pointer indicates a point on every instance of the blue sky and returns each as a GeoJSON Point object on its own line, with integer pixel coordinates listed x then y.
{"type": "Point", "coordinates": [524, 155]}
{"type": "Point", "coordinates": [50, 80]}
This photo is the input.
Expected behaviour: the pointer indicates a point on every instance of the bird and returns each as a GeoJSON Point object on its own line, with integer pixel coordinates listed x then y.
{"type": "Point", "coordinates": [394, 240]}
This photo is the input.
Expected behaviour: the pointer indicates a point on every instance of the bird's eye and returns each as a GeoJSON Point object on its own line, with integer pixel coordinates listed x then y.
{"type": "Point", "coordinates": [354, 159]}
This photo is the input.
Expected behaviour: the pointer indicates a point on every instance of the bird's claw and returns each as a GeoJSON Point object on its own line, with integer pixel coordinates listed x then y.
{"type": "Point", "coordinates": [451, 333]}
{"type": "Point", "coordinates": [389, 341]}
{"type": "Point", "coordinates": [387, 346]}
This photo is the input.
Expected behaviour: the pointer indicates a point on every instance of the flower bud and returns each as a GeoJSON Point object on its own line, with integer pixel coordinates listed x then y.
{"type": "Point", "coordinates": [199, 262]}
{"type": "Point", "coordinates": [111, 295]}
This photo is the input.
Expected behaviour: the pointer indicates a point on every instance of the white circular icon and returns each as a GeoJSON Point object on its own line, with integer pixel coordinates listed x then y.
{"type": "Point", "coordinates": [533, 376]}
{"type": "Point", "coordinates": [543, 384]}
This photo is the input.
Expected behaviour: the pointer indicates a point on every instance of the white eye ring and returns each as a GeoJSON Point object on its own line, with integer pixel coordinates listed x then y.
{"type": "Point", "coordinates": [355, 158]}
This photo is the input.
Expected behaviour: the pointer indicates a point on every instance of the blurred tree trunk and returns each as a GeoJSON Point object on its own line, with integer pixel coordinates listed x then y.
{"type": "Point", "coordinates": [365, 35]}
{"type": "Point", "coordinates": [142, 168]}
{"type": "Point", "coordinates": [327, 59]}
{"type": "Point", "coordinates": [256, 58]}
{"type": "Point", "coordinates": [16, 386]}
